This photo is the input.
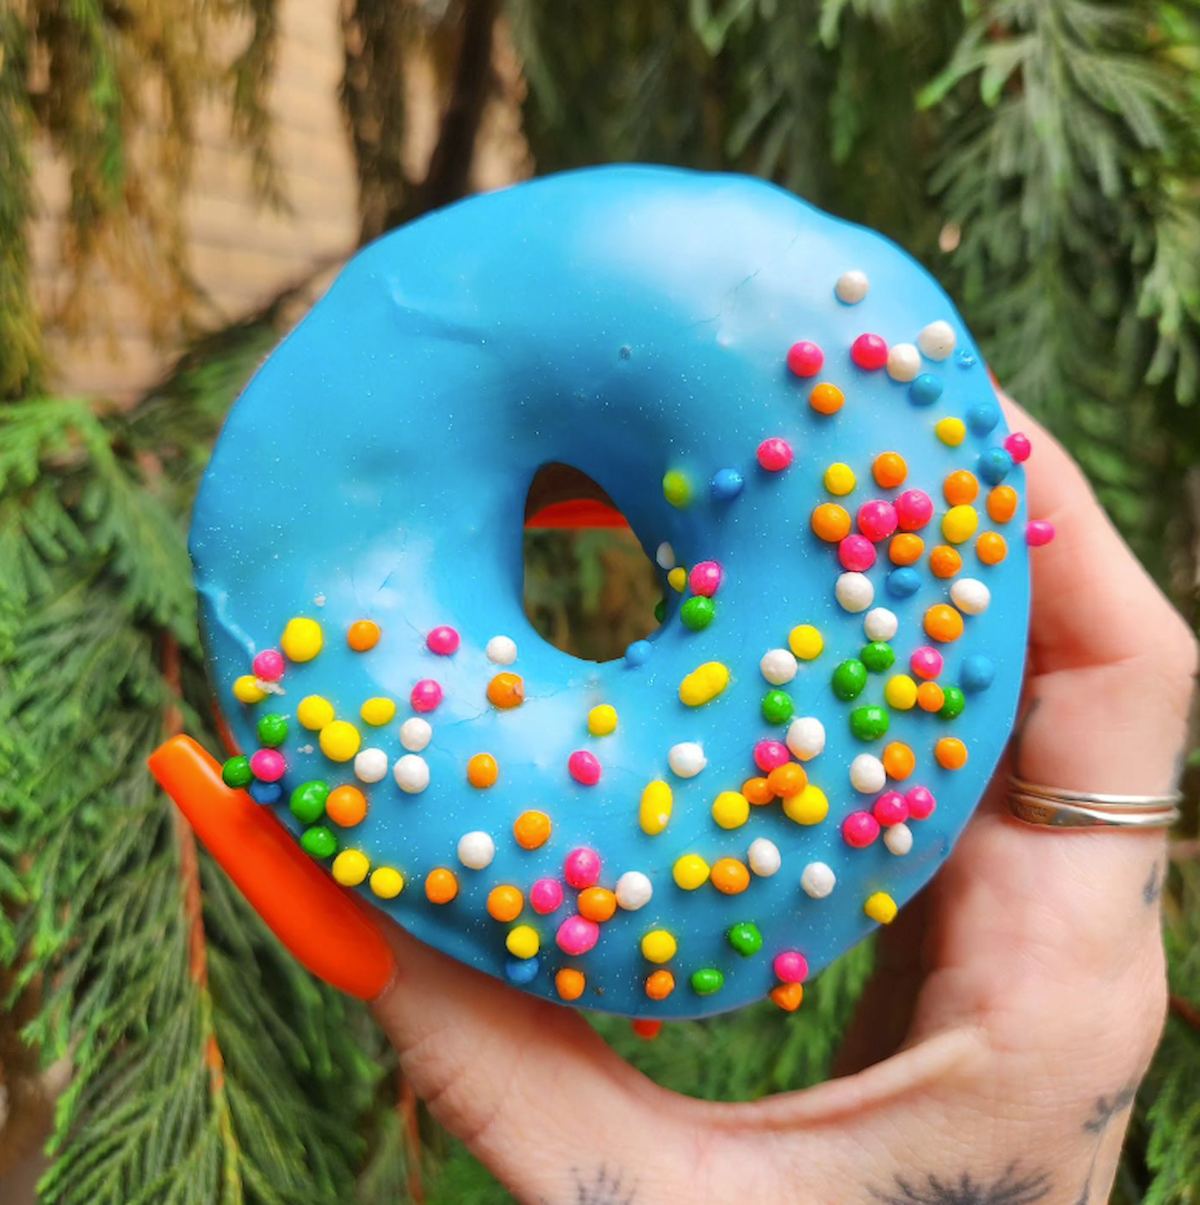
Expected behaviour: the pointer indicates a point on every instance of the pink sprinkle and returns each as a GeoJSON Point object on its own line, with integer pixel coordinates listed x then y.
{"type": "Point", "coordinates": [859, 829]}
{"type": "Point", "coordinates": [877, 520]}
{"type": "Point", "coordinates": [790, 966]}
{"type": "Point", "coordinates": [770, 754]}
{"type": "Point", "coordinates": [920, 802]}
{"type": "Point", "coordinates": [582, 868]}
{"type": "Point", "coordinates": [1039, 532]}
{"type": "Point", "coordinates": [577, 935]}
{"type": "Point", "coordinates": [1017, 445]}
{"type": "Point", "coordinates": [926, 662]}
{"type": "Point", "coordinates": [268, 665]}
{"type": "Point", "coordinates": [705, 578]}
{"type": "Point", "coordinates": [869, 352]}
{"type": "Point", "coordinates": [267, 765]}
{"type": "Point", "coordinates": [584, 767]}
{"type": "Point", "coordinates": [914, 508]}
{"type": "Point", "coordinates": [805, 359]}
{"type": "Point", "coordinates": [856, 553]}
{"type": "Point", "coordinates": [546, 895]}
{"type": "Point", "coordinates": [443, 641]}
{"type": "Point", "coordinates": [426, 695]}
{"type": "Point", "coordinates": [774, 454]}
{"type": "Point", "coordinates": [890, 809]}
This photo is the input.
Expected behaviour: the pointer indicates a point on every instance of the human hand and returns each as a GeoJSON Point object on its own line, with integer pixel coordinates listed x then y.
{"type": "Point", "coordinates": [1015, 1007]}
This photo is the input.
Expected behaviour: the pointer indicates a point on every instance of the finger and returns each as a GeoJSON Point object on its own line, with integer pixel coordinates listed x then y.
{"type": "Point", "coordinates": [322, 924]}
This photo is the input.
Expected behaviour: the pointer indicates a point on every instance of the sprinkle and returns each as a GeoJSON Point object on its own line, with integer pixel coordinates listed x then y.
{"type": "Point", "coordinates": [476, 850]}
{"type": "Point", "coordinates": [890, 809]}
{"type": "Point", "coordinates": [577, 935]}
{"type": "Point", "coordinates": [950, 753]}
{"type": "Point", "coordinates": [705, 578]}
{"type": "Point", "coordinates": [926, 662]}
{"type": "Point", "coordinates": [807, 807]}
{"type": "Point", "coordinates": [426, 695]}
{"type": "Point", "coordinates": [659, 946]}
{"type": "Point", "coordinates": [806, 737]}
{"type": "Point", "coordinates": [889, 470]}
{"type": "Point", "coordinates": [350, 867]}
{"type": "Point", "coordinates": [790, 966]}
{"type": "Point", "coordinates": [804, 359]}
{"type": "Point", "coordinates": [272, 730]}
{"type": "Point", "coordinates": [818, 880]}
{"type": "Point", "coordinates": [731, 809]}
{"type": "Point", "coordinates": [523, 941]}
{"type": "Point", "coordinates": [707, 981]}
{"type": "Point", "coordinates": [906, 549]}
{"type": "Point", "coordinates": [881, 907]}
{"type": "Point", "coordinates": [501, 650]}
{"type": "Point", "coordinates": [951, 431]}
{"type": "Point", "coordinates": [602, 720]}
{"type": "Point", "coordinates": [869, 352]}
{"type": "Point", "coordinates": [546, 896]}
{"type": "Point", "coordinates": [960, 523]}
{"type": "Point", "coordinates": [978, 672]}
{"type": "Point", "coordinates": [898, 839]}
{"type": "Point", "coordinates": [504, 903]}
{"type": "Point", "coordinates": [831, 522]}
{"type": "Point", "coordinates": [690, 871]}
{"type": "Point", "coordinates": [778, 666]}
{"type": "Point", "coordinates": [659, 984]}
{"type": "Point", "coordinates": [903, 583]}
{"type": "Point", "coordinates": [839, 479]}
{"type": "Point", "coordinates": [569, 983]}
{"type": "Point", "coordinates": [877, 520]}
{"type": "Point", "coordinates": [936, 340]}
{"type": "Point", "coordinates": [482, 770]}
{"type": "Point", "coordinates": [991, 547]}
{"type": "Point", "coordinates": [860, 829]}
{"type": "Point", "coordinates": [415, 733]}
{"type": "Point", "coordinates": [764, 857]}
{"type": "Point", "coordinates": [363, 635]}
{"type": "Point", "coordinates": [654, 811]}
{"type": "Point", "coordinates": [441, 885]}
{"type": "Point", "coordinates": [901, 693]}
{"type": "Point", "coordinates": [581, 868]}
{"type": "Point", "coordinates": [314, 712]}
{"type": "Point", "coordinates": [386, 882]}
{"type": "Point", "coordinates": [267, 765]}
{"type": "Point", "coordinates": [1017, 445]}
{"type": "Point", "coordinates": [777, 707]}
{"type": "Point", "coordinates": [584, 767]}
{"type": "Point", "coordinates": [1038, 532]}
{"type": "Point", "coordinates": [945, 561]}
{"type": "Point", "coordinates": [597, 904]}
{"type": "Point", "coordinates": [531, 829]}
{"type": "Point", "coordinates": [867, 774]}
{"type": "Point", "coordinates": [970, 596]}
{"type": "Point", "coordinates": [854, 592]}
{"type": "Point", "coordinates": [774, 455]}
{"type": "Point", "coordinates": [1002, 504]}
{"type": "Point", "coordinates": [268, 666]}
{"type": "Point", "coordinates": [903, 362]}
{"type": "Point", "coordinates": [787, 996]}
{"type": "Point", "coordinates": [247, 689]}
{"type": "Point", "coordinates": [634, 890]}
{"type": "Point", "coordinates": [826, 398]}
{"type": "Point", "coordinates": [726, 484]}
{"type": "Point", "coordinates": [686, 759]}
{"type": "Point", "coordinates": [729, 876]}
{"type": "Point", "coordinates": [307, 800]}
{"type": "Point", "coordinates": [302, 639]}
{"type": "Point", "coordinates": [340, 740]}
{"type": "Point", "coordinates": [880, 624]}
{"type": "Point", "coordinates": [411, 773]}
{"type": "Point", "coordinates": [697, 613]}
{"type": "Point", "coordinates": [806, 642]}
{"type": "Point", "coordinates": [769, 754]}
{"type": "Point", "coordinates": [856, 553]}
{"type": "Point", "coordinates": [346, 806]}
{"type": "Point", "coordinates": [677, 579]}
{"type": "Point", "coordinates": [851, 287]}
{"type": "Point", "coordinates": [899, 760]}
{"type": "Point", "coordinates": [664, 555]}
{"type": "Point", "coordinates": [703, 684]}
{"type": "Point", "coordinates": [236, 772]}
{"type": "Point", "coordinates": [677, 489]}
{"type": "Point", "coordinates": [925, 389]}
{"type": "Point", "coordinates": [506, 691]}
{"type": "Point", "coordinates": [921, 803]}
{"type": "Point", "coordinates": [787, 781]}
{"type": "Point", "coordinates": [745, 938]}
{"type": "Point", "coordinates": [994, 465]}
{"type": "Point", "coordinates": [443, 641]}
{"type": "Point", "coordinates": [983, 418]}
{"type": "Point", "coordinates": [377, 711]}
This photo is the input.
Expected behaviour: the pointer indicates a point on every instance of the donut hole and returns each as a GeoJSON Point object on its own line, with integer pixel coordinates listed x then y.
{"type": "Point", "coordinates": [590, 589]}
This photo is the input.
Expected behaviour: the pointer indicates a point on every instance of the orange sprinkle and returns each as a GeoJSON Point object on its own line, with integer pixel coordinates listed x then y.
{"type": "Point", "coordinates": [944, 561]}
{"type": "Point", "coordinates": [597, 903]}
{"type": "Point", "coordinates": [504, 903]}
{"type": "Point", "coordinates": [506, 691]}
{"type": "Point", "coordinates": [659, 984]}
{"type": "Point", "coordinates": [951, 753]}
{"type": "Point", "coordinates": [363, 634]}
{"type": "Point", "coordinates": [889, 470]}
{"type": "Point", "coordinates": [831, 522]}
{"type": "Point", "coordinates": [906, 549]}
{"type": "Point", "coordinates": [441, 885]}
{"type": "Point", "coordinates": [789, 996]}
{"type": "Point", "coordinates": [758, 791]}
{"type": "Point", "coordinates": [787, 780]}
{"type": "Point", "coordinates": [569, 983]}
{"type": "Point", "coordinates": [1002, 504]}
{"type": "Point", "coordinates": [346, 806]}
{"type": "Point", "coordinates": [532, 829]}
{"type": "Point", "coordinates": [943, 623]}
{"type": "Point", "coordinates": [729, 876]}
{"type": "Point", "coordinates": [990, 548]}
{"type": "Point", "coordinates": [898, 758]}
{"type": "Point", "coordinates": [930, 696]}
{"type": "Point", "coordinates": [826, 398]}
{"type": "Point", "coordinates": [960, 488]}
{"type": "Point", "coordinates": [482, 770]}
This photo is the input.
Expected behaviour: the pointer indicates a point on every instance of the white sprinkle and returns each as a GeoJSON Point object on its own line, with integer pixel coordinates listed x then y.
{"type": "Point", "coordinates": [411, 773]}
{"type": "Point", "coordinates": [880, 624]}
{"type": "Point", "coordinates": [818, 880]}
{"type": "Point", "coordinates": [903, 362]}
{"type": "Point", "coordinates": [633, 890]}
{"type": "Point", "coordinates": [867, 774]}
{"type": "Point", "coordinates": [764, 857]}
{"type": "Point", "coordinates": [778, 666]}
{"type": "Point", "coordinates": [806, 737]}
{"type": "Point", "coordinates": [898, 838]}
{"type": "Point", "coordinates": [415, 733]}
{"type": "Point", "coordinates": [936, 340]}
{"type": "Point", "coordinates": [665, 556]}
{"type": "Point", "coordinates": [970, 595]}
{"type": "Point", "coordinates": [501, 650]}
{"type": "Point", "coordinates": [854, 592]}
{"type": "Point", "coordinates": [852, 286]}
{"type": "Point", "coordinates": [370, 765]}
{"type": "Point", "coordinates": [476, 850]}
{"type": "Point", "coordinates": [686, 759]}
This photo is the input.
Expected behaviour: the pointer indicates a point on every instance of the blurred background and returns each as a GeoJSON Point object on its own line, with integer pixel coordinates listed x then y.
{"type": "Point", "coordinates": [179, 181]}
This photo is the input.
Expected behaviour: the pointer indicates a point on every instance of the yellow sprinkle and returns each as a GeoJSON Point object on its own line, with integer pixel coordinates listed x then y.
{"type": "Point", "coordinates": [806, 642]}
{"type": "Point", "coordinates": [690, 871]}
{"type": "Point", "coordinates": [731, 809]}
{"type": "Point", "coordinates": [378, 711]}
{"type": "Point", "coordinates": [247, 690]}
{"type": "Point", "coordinates": [340, 740]}
{"type": "Point", "coordinates": [523, 941]}
{"type": "Point", "coordinates": [810, 806]}
{"type": "Point", "coordinates": [881, 907]}
{"type": "Point", "coordinates": [654, 814]}
{"type": "Point", "coordinates": [677, 578]}
{"type": "Point", "coordinates": [951, 431]}
{"type": "Point", "coordinates": [602, 720]}
{"type": "Point", "coordinates": [387, 883]}
{"type": "Point", "coordinates": [959, 524]}
{"type": "Point", "coordinates": [659, 946]}
{"type": "Point", "coordinates": [302, 639]}
{"type": "Point", "coordinates": [314, 712]}
{"type": "Point", "coordinates": [840, 479]}
{"type": "Point", "coordinates": [677, 489]}
{"type": "Point", "coordinates": [901, 693]}
{"type": "Point", "coordinates": [703, 685]}
{"type": "Point", "coordinates": [350, 867]}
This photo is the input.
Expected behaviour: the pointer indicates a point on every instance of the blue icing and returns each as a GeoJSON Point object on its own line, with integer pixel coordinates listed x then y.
{"type": "Point", "coordinates": [629, 321]}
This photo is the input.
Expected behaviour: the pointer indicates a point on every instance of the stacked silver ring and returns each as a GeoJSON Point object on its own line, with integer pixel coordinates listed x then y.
{"type": "Point", "coordinates": [1054, 807]}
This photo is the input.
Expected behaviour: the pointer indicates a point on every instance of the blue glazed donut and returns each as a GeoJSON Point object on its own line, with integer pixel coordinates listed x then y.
{"type": "Point", "coordinates": [795, 421]}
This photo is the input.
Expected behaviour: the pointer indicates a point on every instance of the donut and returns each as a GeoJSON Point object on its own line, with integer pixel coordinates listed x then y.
{"type": "Point", "coordinates": [801, 432]}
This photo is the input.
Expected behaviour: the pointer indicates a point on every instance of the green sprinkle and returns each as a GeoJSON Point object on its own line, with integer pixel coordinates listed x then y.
{"type": "Point", "coordinates": [272, 730]}
{"type": "Point", "coordinates": [777, 707]}
{"type": "Point", "coordinates": [236, 772]}
{"type": "Point", "coordinates": [308, 800]}
{"type": "Point", "coordinates": [953, 702]}
{"type": "Point", "coordinates": [745, 938]}
{"type": "Point", "coordinates": [677, 489]}
{"type": "Point", "coordinates": [707, 980]}
{"type": "Point", "coordinates": [849, 679]}
{"type": "Point", "coordinates": [877, 656]}
{"type": "Point", "coordinates": [869, 723]}
{"type": "Point", "coordinates": [319, 842]}
{"type": "Point", "coordinates": [697, 613]}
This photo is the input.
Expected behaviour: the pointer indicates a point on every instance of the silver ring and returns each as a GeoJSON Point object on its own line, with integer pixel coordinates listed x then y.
{"type": "Point", "coordinates": [1055, 807]}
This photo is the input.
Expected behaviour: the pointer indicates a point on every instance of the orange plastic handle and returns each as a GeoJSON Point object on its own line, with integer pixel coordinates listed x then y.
{"type": "Point", "coordinates": [327, 928]}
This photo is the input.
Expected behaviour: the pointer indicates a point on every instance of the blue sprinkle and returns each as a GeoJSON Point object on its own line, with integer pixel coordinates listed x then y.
{"type": "Point", "coordinates": [265, 792]}
{"type": "Point", "coordinates": [966, 359]}
{"type": "Point", "coordinates": [978, 673]}
{"type": "Point", "coordinates": [521, 970]}
{"type": "Point", "coordinates": [994, 465]}
{"type": "Point", "coordinates": [638, 653]}
{"type": "Point", "coordinates": [925, 390]}
{"type": "Point", "coordinates": [902, 583]}
{"type": "Point", "coordinates": [982, 418]}
{"type": "Point", "coordinates": [727, 484]}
